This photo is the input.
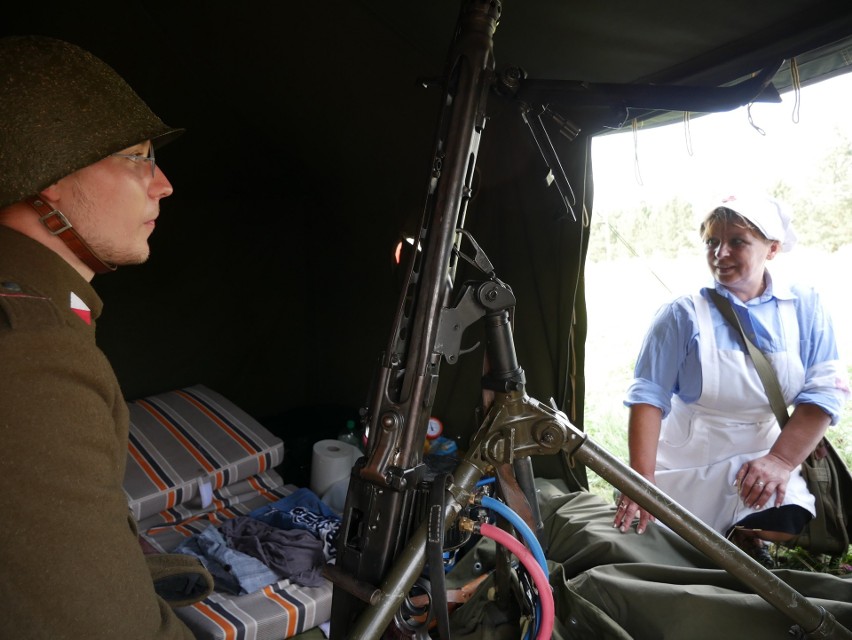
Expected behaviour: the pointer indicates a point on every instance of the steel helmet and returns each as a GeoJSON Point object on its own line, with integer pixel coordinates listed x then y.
{"type": "Point", "coordinates": [62, 109]}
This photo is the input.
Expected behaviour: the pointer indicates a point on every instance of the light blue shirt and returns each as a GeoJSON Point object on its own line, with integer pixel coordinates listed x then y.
{"type": "Point", "coordinates": [669, 362]}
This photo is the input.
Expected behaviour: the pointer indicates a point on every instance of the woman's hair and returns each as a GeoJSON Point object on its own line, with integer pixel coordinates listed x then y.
{"type": "Point", "coordinates": [725, 215]}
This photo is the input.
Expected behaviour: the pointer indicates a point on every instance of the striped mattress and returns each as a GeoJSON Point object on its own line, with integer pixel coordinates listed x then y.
{"type": "Point", "coordinates": [181, 441]}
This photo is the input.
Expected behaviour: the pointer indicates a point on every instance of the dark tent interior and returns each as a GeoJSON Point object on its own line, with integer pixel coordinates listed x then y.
{"type": "Point", "coordinates": [309, 133]}
{"type": "Point", "coordinates": [308, 139]}
{"type": "Point", "coordinates": [306, 159]}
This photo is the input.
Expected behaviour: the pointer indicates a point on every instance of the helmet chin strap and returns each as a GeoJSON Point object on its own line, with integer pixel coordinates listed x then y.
{"type": "Point", "coordinates": [58, 225]}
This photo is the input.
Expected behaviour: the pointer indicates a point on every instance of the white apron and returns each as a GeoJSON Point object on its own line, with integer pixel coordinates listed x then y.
{"type": "Point", "coordinates": [703, 445]}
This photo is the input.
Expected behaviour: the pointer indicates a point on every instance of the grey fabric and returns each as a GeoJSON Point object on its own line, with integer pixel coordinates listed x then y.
{"type": "Point", "coordinates": [235, 572]}
{"type": "Point", "coordinates": [291, 553]}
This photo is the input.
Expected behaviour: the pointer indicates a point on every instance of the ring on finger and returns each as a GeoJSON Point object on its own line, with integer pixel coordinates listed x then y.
{"type": "Point", "coordinates": [760, 483]}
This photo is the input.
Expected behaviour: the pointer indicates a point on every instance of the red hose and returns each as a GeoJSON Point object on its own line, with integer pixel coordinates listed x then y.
{"type": "Point", "coordinates": [548, 609]}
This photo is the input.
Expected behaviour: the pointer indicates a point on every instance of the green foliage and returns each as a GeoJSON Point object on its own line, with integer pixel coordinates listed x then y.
{"type": "Point", "coordinates": [645, 231]}
{"type": "Point", "coordinates": [822, 211]}
{"type": "Point", "coordinates": [801, 560]}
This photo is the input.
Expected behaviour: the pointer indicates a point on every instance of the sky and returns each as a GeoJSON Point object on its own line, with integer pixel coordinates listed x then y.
{"type": "Point", "coordinates": [726, 153]}
{"type": "Point", "coordinates": [722, 152]}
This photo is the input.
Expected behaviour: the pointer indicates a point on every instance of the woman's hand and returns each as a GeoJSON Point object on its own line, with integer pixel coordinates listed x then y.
{"type": "Point", "coordinates": [761, 479]}
{"type": "Point", "coordinates": [643, 431]}
{"type": "Point", "coordinates": [626, 510]}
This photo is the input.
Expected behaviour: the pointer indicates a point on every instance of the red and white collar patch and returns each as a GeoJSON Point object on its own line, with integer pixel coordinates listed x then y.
{"type": "Point", "coordinates": [81, 308]}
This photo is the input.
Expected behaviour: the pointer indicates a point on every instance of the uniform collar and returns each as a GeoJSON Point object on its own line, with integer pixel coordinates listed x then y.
{"type": "Point", "coordinates": [34, 266]}
{"type": "Point", "coordinates": [774, 289]}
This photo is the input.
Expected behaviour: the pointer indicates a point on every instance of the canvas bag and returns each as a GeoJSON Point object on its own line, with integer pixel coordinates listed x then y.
{"type": "Point", "coordinates": [829, 480]}
{"type": "Point", "coordinates": [824, 471]}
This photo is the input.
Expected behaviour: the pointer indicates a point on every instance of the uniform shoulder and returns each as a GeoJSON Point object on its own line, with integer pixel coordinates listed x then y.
{"type": "Point", "coordinates": [678, 305]}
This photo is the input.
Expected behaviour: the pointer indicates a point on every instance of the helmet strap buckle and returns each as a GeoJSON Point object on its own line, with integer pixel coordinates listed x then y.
{"type": "Point", "coordinates": [58, 225]}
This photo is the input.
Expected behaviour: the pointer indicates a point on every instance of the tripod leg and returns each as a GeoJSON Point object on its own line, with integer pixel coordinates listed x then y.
{"type": "Point", "coordinates": [526, 479]}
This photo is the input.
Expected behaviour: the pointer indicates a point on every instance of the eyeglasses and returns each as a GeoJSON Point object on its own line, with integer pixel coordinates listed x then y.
{"type": "Point", "coordinates": [138, 158]}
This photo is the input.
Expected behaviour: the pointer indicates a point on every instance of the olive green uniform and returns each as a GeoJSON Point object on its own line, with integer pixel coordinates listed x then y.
{"type": "Point", "coordinates": [70, 563]}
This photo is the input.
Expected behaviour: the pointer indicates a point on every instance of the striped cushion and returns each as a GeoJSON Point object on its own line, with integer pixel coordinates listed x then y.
{"type": "Point", "coordinates": [167, 529]}
{"type": "Point", "coordinates": [275, 612]}
{"type": "Point", "coordinates": [181, 439]}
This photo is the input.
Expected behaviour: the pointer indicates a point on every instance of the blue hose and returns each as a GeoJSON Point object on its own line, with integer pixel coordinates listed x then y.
{"type": "Point", "coordinates": [522, 528]}
{"type": "Point", "coordinates": [529, 537]}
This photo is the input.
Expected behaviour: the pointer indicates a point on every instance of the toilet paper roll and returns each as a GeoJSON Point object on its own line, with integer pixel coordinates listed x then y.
{"type": "Point", "coordinates": [332, 461]}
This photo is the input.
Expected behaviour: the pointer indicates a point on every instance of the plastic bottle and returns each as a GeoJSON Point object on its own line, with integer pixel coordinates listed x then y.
{"type": "Point", "coordinates": [350, 436]}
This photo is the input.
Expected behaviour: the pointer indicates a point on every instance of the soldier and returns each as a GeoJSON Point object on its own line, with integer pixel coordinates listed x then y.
{"type": "Point", "coordinates": [79, 194]}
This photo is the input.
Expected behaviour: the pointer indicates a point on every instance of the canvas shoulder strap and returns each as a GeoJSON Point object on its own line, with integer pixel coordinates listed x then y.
{"type": "Point", "coordinates": [761, 363]}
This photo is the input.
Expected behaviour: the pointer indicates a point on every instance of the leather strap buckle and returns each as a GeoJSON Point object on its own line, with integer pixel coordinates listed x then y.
{"type": "Point", "coordinates": [58, 225]}
{"type": "Point", "coordinates": [56, 222]}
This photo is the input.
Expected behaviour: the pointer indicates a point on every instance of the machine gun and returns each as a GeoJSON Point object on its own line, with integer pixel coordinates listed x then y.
{"type": "Point", "coordinates": [394, 510]}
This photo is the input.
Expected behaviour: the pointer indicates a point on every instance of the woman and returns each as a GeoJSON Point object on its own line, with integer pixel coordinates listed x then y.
{"type": "Point", "coordinates": [701, 427]}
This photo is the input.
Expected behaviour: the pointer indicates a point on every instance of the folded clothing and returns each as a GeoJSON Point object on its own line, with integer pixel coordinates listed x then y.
{"type": "Point", "coordinates": [302, 509]}
{"type": "Point", "coordinates": [288, 539]}
{"type": "Point", "coordinates": [234, 572]}
{"type": "Point", "coordinates": [291, 553]}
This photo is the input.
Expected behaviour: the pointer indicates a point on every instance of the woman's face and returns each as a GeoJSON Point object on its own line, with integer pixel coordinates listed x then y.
{"type": "Point", "coordinates": [737, 257]}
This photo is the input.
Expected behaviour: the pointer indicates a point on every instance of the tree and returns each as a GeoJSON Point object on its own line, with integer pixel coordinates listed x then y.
{"type": "Point", "coordinates": [823, 213]}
